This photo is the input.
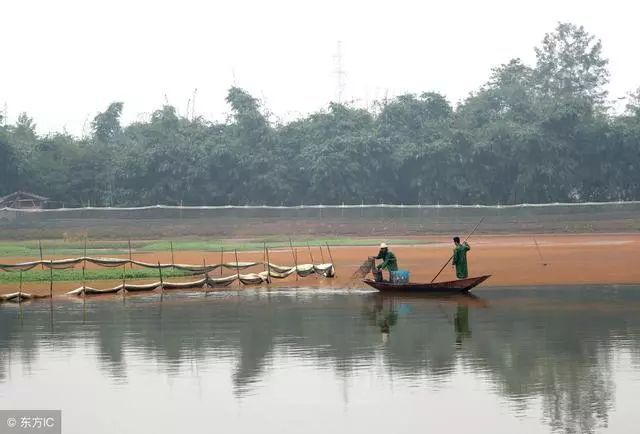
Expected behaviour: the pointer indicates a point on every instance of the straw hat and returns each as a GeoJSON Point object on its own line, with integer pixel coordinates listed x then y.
{"type": "Point", "coordinates": [383, 245]}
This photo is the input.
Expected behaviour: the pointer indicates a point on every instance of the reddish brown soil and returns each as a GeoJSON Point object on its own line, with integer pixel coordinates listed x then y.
{"type": "Point", "coordinates": [510, 259]}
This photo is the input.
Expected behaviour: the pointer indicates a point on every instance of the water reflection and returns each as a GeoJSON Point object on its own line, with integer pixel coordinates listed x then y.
{"type": "Point", "coordinates": [557, 351]}
{"type": "Point", "coordinates": [387, 307]}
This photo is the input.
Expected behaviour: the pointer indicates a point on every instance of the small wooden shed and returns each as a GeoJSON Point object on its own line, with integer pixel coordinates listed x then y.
{"type": "Point", "coordinates": [23, 200]}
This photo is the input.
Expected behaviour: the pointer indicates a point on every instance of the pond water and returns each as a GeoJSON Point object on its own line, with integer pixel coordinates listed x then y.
{"type": "Point", "coordinates": [526, 360]}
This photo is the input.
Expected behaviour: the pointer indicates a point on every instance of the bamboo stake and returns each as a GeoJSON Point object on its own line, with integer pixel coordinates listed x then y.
{"type": "Point", "coordinates": [124, 282]}
{"type": "Point", "coordinates": [206, 276]}
{"type": "Point", "coordinates": [51, 282]}
{"type": "Point", "coordinates": [237, 268]}
{"type": "Point", "coordinates": [331, 258]}
{"type": "Point", "coordinates": [20, 307]}
{"type": "Point", "coordinates": [295, 259]}
{"type": "Point", "coordinates": [40, 246]}
{"type": "Point", "coordinates": [172, 260]}
{"type": "Point", "coordinates": [84, 286]}
{"type": "Point", "coordinates": [265, 262]}
{"type": "Point", "coordinates": [310, 254]}
{"type": "Point", "coordinates": [313, 263]}
{"type": "Point", "coordinates": [20, 288]}
{"type": "Point", "coordinates": [221, 259]}
{"type": "Point", "coordinates": [161, 282]}
{"type": "Point", "coordinates": [268, 266]}
{"type": "Point", "coordinates": [84, 257]}
{"type": "Point", "coordinates": [130, 259]}
{"type": "Point", "coordinates": [321, 254]}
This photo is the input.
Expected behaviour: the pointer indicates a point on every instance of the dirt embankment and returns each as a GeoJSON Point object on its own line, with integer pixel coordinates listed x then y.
{"type": "Point", "coordinates": [510, 259]}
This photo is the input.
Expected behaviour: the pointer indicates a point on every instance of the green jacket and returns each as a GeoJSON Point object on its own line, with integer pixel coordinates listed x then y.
{"type": "Point", "coordinates": [460, 260]}
{"type": "Point", "coordinates": [389, 261]}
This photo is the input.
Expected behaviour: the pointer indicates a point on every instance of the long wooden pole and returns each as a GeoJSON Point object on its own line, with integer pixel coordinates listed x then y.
{"type": "Point", "coordinates": [84, 257]}
{"type": "Point", "coordinates": [206, 277]}
{"type": "Point", "coordinates": [124, 282]}
{"type": "Point", "coordinates": [84, 286]}
{"type": "Point", "coordinates": [206, 274]}
{"type": "Point", "coordinates": [331, 258]}
{"type": "Point", "coordinates": [295, 259]}
{"type": "Point", "coordinates": [264, 259]}
{"type": "Point", "coordinates": [451, 257]}
{"type": "Point", "coordinates": [321, 254]}
{"type": "Point", "coordinates": [268, 265]}
{"type": "Point", "coordinates": [161, 282]}
{"type": "Point", "coordinates": [20, 288]}
{"type": "Point", "coordinates": [221, 259]}
{"type": "Point", "coordinates": [313, 263]}
{"type": "Point", "coordinates": [237, 267]}
{"type": "Point", "coordinates": [310, 253]}
{"type": "Point", "coordinates": [40, 246]}
{"type": "Point", "coordinates": [50, 281]}
{"type": "Point", "coordinates": [172, 260]}
{"type": "Point", "coordinates": [130, 258]}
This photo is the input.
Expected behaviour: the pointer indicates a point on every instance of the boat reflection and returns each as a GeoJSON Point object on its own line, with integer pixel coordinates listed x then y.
{"type": "Point", "coordinates": [387, 308]}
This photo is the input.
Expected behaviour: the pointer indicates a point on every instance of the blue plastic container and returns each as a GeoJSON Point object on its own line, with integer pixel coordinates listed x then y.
{"type": "Point", "coordinates": [400, 276]}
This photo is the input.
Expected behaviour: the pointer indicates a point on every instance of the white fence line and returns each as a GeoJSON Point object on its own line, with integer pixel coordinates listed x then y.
{"type": "Point", "coordinates": [302, 207]}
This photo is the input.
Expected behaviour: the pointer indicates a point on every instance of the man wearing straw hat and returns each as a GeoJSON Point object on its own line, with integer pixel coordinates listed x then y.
{"type": "Point", "coordinates": [389, 262]}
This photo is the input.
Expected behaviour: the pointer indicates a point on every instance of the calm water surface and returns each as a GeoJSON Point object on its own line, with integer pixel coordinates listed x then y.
{"type": "Point", "coordinates": [303, 361]}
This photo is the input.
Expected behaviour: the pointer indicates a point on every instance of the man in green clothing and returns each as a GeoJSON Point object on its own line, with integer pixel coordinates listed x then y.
{"type": "Point", "coordinates": [460, 258]}
{"type": "Point", "coordinates": [389, 261]}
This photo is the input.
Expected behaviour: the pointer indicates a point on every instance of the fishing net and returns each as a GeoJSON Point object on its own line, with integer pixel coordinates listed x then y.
{"type": "Point", "coordinates": [364, 269]}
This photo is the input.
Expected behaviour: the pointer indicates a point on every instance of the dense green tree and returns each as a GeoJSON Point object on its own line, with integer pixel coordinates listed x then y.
{"type": "Point", "coordinates": [106, 125]}
{"type": "Point", "coordinates": [633, 104]}
{"type": "Point", "coordinates": [531, 133]}
{"type": "Point", "coordinates": [8, 163]}
{"type": "Point", "coordinates": [417, 130]}
{"type": "Point", "coordinates": [570, 64]}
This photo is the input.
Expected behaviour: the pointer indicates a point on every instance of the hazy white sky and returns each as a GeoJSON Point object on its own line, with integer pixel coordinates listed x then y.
{"type": "Point", "coordinates": [63, 61]}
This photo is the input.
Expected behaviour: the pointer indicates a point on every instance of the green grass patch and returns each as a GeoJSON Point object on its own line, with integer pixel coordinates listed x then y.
{"type": "Point", "coordinates": [30, 249]}
{"type": "Point", "coordinates": [245, 245]}
{"type": "Point", "coordinates": [60, 247]}
{"type": "Point", "coordinates": [75, 275]}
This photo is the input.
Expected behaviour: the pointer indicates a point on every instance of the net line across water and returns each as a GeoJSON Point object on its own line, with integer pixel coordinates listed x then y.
{"type": "Point", "coordinates": [320, 206]}
{"type": "Point", "coordinates": [381, 220]}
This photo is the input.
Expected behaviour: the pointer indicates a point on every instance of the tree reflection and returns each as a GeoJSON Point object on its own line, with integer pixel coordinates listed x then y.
{"type": "Point", "coordinates": [533, 347]}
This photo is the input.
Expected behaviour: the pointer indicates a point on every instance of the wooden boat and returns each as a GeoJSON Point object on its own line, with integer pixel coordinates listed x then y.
{"type": "Point", "coordinates": [450, 287]}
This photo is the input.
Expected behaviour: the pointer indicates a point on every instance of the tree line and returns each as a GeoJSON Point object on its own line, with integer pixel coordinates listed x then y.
{"type": "Point", "coordinates": [532, 133]}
